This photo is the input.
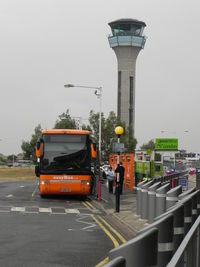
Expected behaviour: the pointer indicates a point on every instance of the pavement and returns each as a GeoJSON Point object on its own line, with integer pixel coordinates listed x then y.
{"type": "Point", "coordinates": [127, 220]}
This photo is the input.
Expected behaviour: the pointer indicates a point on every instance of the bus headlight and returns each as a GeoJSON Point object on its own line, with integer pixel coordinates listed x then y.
{"type": "Point", "coordinates": [85, 182]}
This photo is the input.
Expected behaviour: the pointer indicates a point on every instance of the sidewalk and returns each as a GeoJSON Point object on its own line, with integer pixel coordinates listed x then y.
{"type": "Point", "coordinates": [127, 215]}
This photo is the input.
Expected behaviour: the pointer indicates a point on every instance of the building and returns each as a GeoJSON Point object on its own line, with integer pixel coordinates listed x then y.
{"type": "Point", "coordinates": [126, 40]}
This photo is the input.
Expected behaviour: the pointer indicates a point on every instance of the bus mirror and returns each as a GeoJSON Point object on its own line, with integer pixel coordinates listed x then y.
{"type": "Point", "coordinates": [38, 149]}
{"type": "Point", "coordinates": [38, 145]}
{"type": "Point", "coordinates": [93, 151]}
{"type": "Point", "coordinates": [95, 146]}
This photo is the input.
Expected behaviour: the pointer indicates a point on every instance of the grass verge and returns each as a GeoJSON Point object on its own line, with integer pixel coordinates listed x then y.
{"type": "Point", "coordinates": [17, 173]}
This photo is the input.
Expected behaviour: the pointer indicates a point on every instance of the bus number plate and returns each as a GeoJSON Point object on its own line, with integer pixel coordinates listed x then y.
{"type": "Point", "coordinates": [65, 190]}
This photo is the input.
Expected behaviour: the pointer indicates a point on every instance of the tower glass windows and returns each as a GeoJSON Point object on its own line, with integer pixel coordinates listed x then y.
{"type": "Point", "coordinates": [127, 30]}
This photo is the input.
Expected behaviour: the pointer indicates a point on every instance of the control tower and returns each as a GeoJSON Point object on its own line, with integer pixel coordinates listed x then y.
{"type": "Point", "coordinates": [127, 40]}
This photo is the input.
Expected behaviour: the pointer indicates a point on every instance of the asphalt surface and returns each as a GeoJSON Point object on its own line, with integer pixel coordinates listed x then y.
{"type": "Point", "coordinates": [62, 231]}
{"type": "Point", "coordinates": [48, 232]}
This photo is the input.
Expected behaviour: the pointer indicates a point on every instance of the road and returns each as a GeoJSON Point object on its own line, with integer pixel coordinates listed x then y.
{"type": "Point", "coordinates": [49, 232]}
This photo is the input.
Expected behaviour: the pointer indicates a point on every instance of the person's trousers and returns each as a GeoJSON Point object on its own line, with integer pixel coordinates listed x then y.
{"type": "Point", "coordinates": [110, 186]}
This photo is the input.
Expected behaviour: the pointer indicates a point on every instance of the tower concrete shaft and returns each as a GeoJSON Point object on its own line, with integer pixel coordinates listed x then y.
{"type": "Point", "coordinates": [126, 41]}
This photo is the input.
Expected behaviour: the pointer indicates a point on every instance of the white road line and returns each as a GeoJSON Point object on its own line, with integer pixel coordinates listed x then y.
{"type": "Point", "coordinates": [20, 209]}
{"type": "Point", "coordinates": [49, 210]}
{"type": "Point", "coordinates": [75, 211]}
{"type": "Point", "coordinates": [9, 195]}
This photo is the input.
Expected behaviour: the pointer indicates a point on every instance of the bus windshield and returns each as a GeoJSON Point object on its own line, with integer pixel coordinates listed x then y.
{"type": "Point", "coordinates": [66, 153]}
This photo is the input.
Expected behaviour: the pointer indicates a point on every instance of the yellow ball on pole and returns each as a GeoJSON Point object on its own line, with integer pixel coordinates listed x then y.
{"type": "Point", "coordinates": [119, 130]}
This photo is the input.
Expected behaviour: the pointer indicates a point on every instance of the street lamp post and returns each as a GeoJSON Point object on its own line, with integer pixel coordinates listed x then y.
{"type": "Point", "coordinates": [118, 131]}
{"type": "Point", "coordinates": [98, 93]}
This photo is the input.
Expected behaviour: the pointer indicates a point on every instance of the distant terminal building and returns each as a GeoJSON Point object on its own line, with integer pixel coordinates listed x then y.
{"type": "Point", "coordinates": [127, 40]}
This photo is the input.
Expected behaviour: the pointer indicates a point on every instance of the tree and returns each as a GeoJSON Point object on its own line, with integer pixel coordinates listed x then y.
{"type": "Point", "coordinates": [65, 121]}
{"type": "Point", "coordinates": [150, 145]}
{"type": "Point", "coordinates": [28, 147]}
{"type": "Point", "coordinates": [109, 137]}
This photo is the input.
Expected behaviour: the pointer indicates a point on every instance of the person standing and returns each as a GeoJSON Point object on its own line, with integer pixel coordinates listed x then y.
{"type": "Point", "coordinates": [110, 177]}
{"type": "Point", "coordinates": [121, 170]}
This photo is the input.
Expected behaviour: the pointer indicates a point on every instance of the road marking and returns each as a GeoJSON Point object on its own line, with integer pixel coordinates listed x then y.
{"type": "Point", "coordinates": [22, 186]}
{"type": "Point", "coordinates": [86, 205]}
{"type": "Point", "coordinates": [20, 209]}
{"type": "Point", "coordinates": [113, 230]}
{"type": "Point", "coordinates": [89, 204]}
{"type": "Point", "coordinates": [116, 244]}
{"type": "Point", "coordinates": [33, 194]}
{"type": "Point", "coordinates": [90, 224]}
{"type": "Point", "coordinates": [102, 263]}
{"type": "Point", "coordinates": [74, 211]}
{"type": "Point", "coordinates": [9, 196]}
{"type": "Point", "coordinates": [45, 210]}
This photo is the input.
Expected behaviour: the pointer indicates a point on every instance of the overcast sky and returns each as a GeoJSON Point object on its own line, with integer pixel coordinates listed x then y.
{"type": "Point", "coordinates": [48, 43]}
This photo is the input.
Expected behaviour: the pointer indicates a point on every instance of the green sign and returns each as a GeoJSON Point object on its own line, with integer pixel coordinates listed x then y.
{"type": "Point", "coordinates": [166, 144]}
{"type": "Point", "coordinates": [142, 167]}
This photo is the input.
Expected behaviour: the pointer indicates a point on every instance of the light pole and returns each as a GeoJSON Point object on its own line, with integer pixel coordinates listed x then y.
{"type": "Point", "coordinates": [98, 93]}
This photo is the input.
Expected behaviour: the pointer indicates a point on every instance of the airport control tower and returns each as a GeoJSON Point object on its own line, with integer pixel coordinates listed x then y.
{"type": "Point", "coordinates": [127, 40]}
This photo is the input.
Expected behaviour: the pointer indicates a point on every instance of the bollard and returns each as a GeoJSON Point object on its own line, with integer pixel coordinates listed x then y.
{"type": "Point", "coordinates": [134, 250]}
{"type": "Point", "coordinates": [144, 198]}
{"type": "Point", "coordinates": [161, 199]}
{"type": "Point", "coordinates": [152, 201]}
{"type": "Point", "coordinates": [117, 262]}
{"type": "Point", "coordinates": [178, 213]}
{"type": "Point", "coordinates": [138, 198]}
{"type": "Point", "coordinates": [172, 196]}
{"type": "Point", "coordinates": [186, 193]}
{"type": "Point", "coordinates": [187, 203]}
{"type": "Point", "coordinates": [165, 228]}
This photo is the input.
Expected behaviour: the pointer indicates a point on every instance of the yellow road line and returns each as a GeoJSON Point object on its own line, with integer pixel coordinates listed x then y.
{"type": "Point", "coordinates": [102, 263]}
{"type": "Point", "coordinates": [33, 194]}
{"type": "Point", "coordinates": [113, 230]}
{"type": "Point", "coordinates": [116, 244]}
{"type": "Point", "coordinates": [88, 203]}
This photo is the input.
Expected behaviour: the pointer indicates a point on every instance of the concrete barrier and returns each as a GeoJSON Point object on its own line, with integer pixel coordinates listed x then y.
{"type": "Point", "coordinates": [139, 251]}
{"type": "Point", "coordinates": [187, 203]}
{"type": "Point", "coordinates": [144, 199]}
{"type": "Point", "coordinates": [165, 226]}
{"type": "Point", "coordinates": [186, 193]}
{"type": "Point", "coordinates": [152, 201]}
{"type": "Point", "coordinates": [117, 262]}
{"type": "Point", "coordinates": [172, 196]}
{"type": "Point", "coordinates": [139, 197]}
{"type": "Point", "coordinates": [161, 199]}
{"type": "Point", "coordinates": [178, 213]}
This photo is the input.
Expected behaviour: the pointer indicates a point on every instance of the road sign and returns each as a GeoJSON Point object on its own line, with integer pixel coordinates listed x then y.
{"type": "Point", "coordinates": [166, 144]}
{"type": "Point", "coordinates": [118, 147]}
{"type": "Point", "coordinates": [183, 181]}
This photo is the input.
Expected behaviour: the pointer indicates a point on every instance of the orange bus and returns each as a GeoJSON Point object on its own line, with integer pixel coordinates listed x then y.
{"type": "Point", "coordinates": [64, 159]}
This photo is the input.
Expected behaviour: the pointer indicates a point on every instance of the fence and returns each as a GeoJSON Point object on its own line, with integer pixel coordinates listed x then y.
{"type": "Point", "coordinates": [172, 237]}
